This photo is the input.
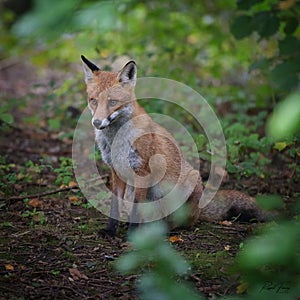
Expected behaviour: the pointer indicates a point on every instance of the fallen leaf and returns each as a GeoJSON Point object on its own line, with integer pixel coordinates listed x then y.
{"type": "Point", "coordinates": [175, 239]}
{"type": "Point", "coordinates": [73, 199]}
{"type": "Point", "coordinates": [242, 288]}
{"type": "Point", "coordinates": [9, 267]}
{"type": "Point", "coordinates": [283, 5]}
{"type": "Point", "coordinates": [18, 187]}
{"type": "Point", "coordinates": [35, 202]}
{"type": "Point", "coordinates": [76, 274]}
{"type": "Point", "coordinates": [39, 217]}
{"type": "Point", "coordinates": [280, 146]}
{"type": "Point", "coordinates": [20, 176]}
{"type": "Point", "coordinates": [41, 181]}
{"type": "Point", "coordinates": [126, 245]}
{"type": "Point", "coordinates": [225, 223]}
{"type": "Point", "coordinates": [73, 184]}
{"type": "Point", "coordinates": [227, 247]}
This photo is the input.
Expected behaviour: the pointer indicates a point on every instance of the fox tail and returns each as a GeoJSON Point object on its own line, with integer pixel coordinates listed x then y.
{"type": "Point", "coordinates": [231, 204]}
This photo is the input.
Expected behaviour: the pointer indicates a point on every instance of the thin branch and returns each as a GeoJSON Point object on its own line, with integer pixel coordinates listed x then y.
{"type": "Point", "coordinates": [64, 189]}
{"type": "Point", "coordinates": [103, 178]}
{"type": "Point", "coordinates": [7, 63]}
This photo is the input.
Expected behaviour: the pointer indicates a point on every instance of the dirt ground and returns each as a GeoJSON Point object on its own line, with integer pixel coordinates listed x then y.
{"type": "Point", "coordinates": [49, 242]}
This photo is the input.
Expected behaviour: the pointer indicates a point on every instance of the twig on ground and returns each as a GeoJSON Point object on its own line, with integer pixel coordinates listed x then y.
{"type": "Point", "coordinates": [103, 178]}
{"type": "Point", "coordinates": [64, 189]}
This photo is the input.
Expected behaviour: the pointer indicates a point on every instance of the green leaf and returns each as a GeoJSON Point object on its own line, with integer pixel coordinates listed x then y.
{"type": "Point", "coordinates": [291, 25]}
{"type": "Point", "coordinates": [246, 4]}
{"type": "Point", "coordinates": [200, 141]}
{"type": "Point", "coordinates": [8, 224]}
{"type": "Point", "coordinates": [232, 168]}
{"type": "Point", "coordinates": [259, 64]}
{"type": "Point", "coordinates": [41, 18]}
{"type": "Point", "coordinates": [54, 124]}
{"type": "Point", "coordinates": [285, 120]}
{"type": "Point", "coordinates": [101, 15]}
{"type": "Point", "coordinates": [55, 272]}
{"type": "Point", "coordinates": [289, 45]}
{"type": "Point", "coordinates": [270, 202]}
{"type": "Point", "coordinates": [147, 238]}
{"type": "Point", "coordinates": [7, 118]}
{"type": "Point", "coordinates": [284, 75]}
{"type": "Point", "coordinates": [280, 146]}
{"type": "Point", "coordinates": [241, 26]}
{"type": "Point", "coordinates": [128, 262]}
{"type": "Point", "coordinates": [265, 23]}
{"type": "Point", "coordinates": [276, 247]}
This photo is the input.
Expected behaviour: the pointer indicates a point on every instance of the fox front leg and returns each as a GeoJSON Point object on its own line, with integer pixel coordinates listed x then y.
{"type": "Point", "coordinates": [118, 189]}
{"type": "Point", "coordinates": [136, 216]}
{"type": "Point", "coordinates": [113, 223]}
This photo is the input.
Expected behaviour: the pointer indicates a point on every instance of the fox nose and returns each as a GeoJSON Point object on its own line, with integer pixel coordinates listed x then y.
{"type": "Point", "coordinates": [97, 123]}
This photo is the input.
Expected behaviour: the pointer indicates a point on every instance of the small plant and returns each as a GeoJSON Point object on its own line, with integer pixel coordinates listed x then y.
{"type": "Point", "coordinates": [6, 118]}
{"type": "Point", "coordinates": [64, 172]}
{"type": "Point", "coordinates": [36, 217]}
{"type": "Point", "coordinates": [7, 177]}
{"type": "Point", "coordinates": [160, 263]}
{"type": "Point", "coordinates": [55, 272]}
{"type": "Point", "coordinates": [13, 176]}
{"type": "Point", "coordinates": [31, 172]}
{"type": "Point", "coordinates": [246, 149]}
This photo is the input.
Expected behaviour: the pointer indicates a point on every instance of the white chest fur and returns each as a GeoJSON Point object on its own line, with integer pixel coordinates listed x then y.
{"type": "Point", "coordinates": [116, 146]}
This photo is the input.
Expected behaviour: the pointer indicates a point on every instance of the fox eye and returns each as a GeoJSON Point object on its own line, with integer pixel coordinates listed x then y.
{"type": "Point", "coordinates": [93, 101]}
{"type": "Point", "coordinates": [113, 102]}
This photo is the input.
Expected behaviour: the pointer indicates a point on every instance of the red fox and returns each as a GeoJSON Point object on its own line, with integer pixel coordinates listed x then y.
{"type": "Point", "coordinates": [113, 104]}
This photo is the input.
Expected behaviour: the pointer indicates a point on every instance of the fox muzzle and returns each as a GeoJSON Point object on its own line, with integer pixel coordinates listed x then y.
{"type": "Point", "coordinates": [101, 124]}
{"type": "Point", "coordinates": [98, 124]}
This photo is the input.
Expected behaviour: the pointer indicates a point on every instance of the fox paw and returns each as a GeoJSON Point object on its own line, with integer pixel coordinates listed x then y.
{"type": "Point", "coordinates": [106, 233]}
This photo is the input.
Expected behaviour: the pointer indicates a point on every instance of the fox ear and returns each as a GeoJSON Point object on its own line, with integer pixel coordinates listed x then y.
{"type": "Point", "coordinates": [128, 73]}
{"type": "Point", "coordinates": [89, 68]}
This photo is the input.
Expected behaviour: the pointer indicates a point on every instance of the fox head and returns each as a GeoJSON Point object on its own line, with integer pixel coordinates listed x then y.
{"type": "Point", "coordinates": [110, 94]}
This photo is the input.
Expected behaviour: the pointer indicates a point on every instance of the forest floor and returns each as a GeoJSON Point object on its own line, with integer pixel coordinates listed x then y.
{"type": "Point", "coordinates": [49, 242]}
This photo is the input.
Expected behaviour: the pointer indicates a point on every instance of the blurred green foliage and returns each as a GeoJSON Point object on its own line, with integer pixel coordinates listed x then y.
{"type": "Point", "coordinates": [181, 40]}
{"type": "Point", "coordinates": [246, 149]}
{"type": "Point", "coordinates": [160, 264]}
{"type": "Point", "coordinates": [64, 172]}
{"type": "Point", "coordinates": [5, 115]}
{"type": "Point", "coordinates": [270, 263]}
{"type": "Point", "coordinates": [277, 22]}
{"type": "Point", "coordinates": [285, 120]}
